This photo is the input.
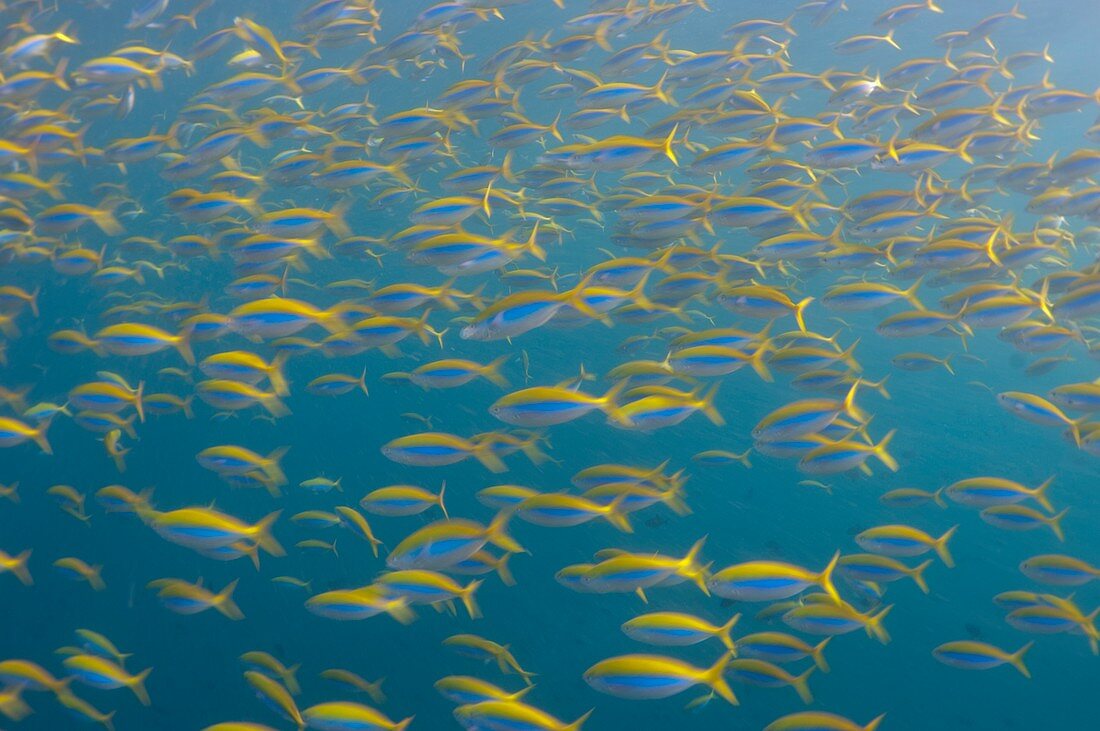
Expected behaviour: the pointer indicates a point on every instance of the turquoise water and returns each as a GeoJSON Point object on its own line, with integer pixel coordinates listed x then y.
{"type": "Point", "coordinates": [948, 427]}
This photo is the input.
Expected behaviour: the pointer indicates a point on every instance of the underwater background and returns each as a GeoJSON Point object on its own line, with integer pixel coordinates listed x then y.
{"type": "Point", "coordinates": [949, 427]}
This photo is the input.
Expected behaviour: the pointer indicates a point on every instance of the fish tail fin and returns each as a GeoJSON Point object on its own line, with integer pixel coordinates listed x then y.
{"type": "Point", "coordinates": [825, 579]}
{"type": "Point", "coordinates": [506, 662]}
{"type": "Point", "coordinates": [336, 222]}
{"type": "Point", "coordinates": [19, 568]}
{"type": "Point", "coordinates": [139, 405]}
{"type": "Point", "coordinates": [446, 293]}
{"type": "Point", "coordinates": [503, 570]}
{"type": "Point", "coordinates": [759, 365]}
{"type": "Point", "coordinates": [615, 515]}
{"type": "Point", "coordinates": [911, 294]}
{"type": "Point", "coordinates": [575, 298]}
{"type": "Point", "coordinates": [700, 702]}
{"type": "Point", "coordinates": [532, 245]}
{"type": "Point", "coordinates": [1040, 494]}
{"type": "Point", "coordinates": [62, 34]}
{"type": "Point", "coordinates": [771, 145]}
{"type": "Point", "coordinates": [1044, 299]}
{"type": "Point", "coordinates": [107, 223]}
{"type": "Point", "coordinates": [946, 362]}
{"type": "Point", "coordinates": [880, 386]}
{"type": "Point", "coordinates": [874, 724]}
{"type": "Point", "coordinates": [403, 724]}
{"type": "Point", "coordinates": [850, 407]}
{"type": "Point", "coordinates": [172, 136]}
{"type": "Point", "coordinates": [802, 687]}
{"type": "Point", "coordinates": [275, 375]}
{"type": "Point", "coordinates": [39, 436]}
{"type": "Point", "coordinates": [818, 655]}
{"type": "Point", "coordinates": [264, 537]}
{"type": "Point", "coordinates": [962, 152]}
{"type": "Point", "coordinates": [11, 492]}
{"type": "Point", "coordinates": [182, 344]}
{"type": "Point", "coordinates": [273, 405]}
{"type": "Point", "coordinates": [576, 725]}
{"type": "Point", "coordinates": [666, 146]}
{"type": "Point", "coordinates": [707, 406]}
{"type": "Point", "coordinates": [660, 93]}
{"type": "Point", "coordinates": [715, 678]}
{"type": "Point", "coordinates": [1055, 523]}
{"type": "Point", "coordinates": [362, 383]}
{"type": "Point", "coordinates": [917, 574]}
{"type": "Point", "coordinates": [531, 450]}
{"type": "Point", "coordinates": [374, 690]}
{"type": "Point", "coordinates": [1089, 628]}
{"type": "Point", "coordinates": [137, 685]}
{"type": "Point", "coordinates": [442, 505]}
{"type": "Point", "coordinates": [989, 248]}
{"type": "Point", "coordinates": [941, 547]}
{"type": "Point", "coordinates": [607, 401]}
{"type": "Point", "coordinates": [143, 505]}
{"type": "Point", "coordinates": [491, 372]}
{"type": "Point", "coordinates": [725, 636]}
{"type": "Point", "coordinates": [799, 309]}
{"type": "Point", "coordinates": [637, 294]}
{"type": "Point", "coordinates": [692, 556]}
{"type": "Point", "coordinates": [874, 625]}
{"type": "Point", "coordinates": [498, 536]}
{"type": "Point", "coordinates": [674, 500]}
{"type": "Point", "coordinates": [937, 497]}
{"type": "Point", "coordinates": [422, 328]}
{"type": "Point", "coordinates": [553, 130]}
{"type": "Point", "coordinates": [1075, 428]}
{"type": "Point", "coordinates": [288, 81]}
{"type": "Point", "coordinates": [120, 459]}
{"type": "Point", "coordinates": [848, 357]}
{"type": "Point", "coordinates": [271, 468]}
{"type": "Point", "coordinates": [662, 264]}
{"type": "Point", "coordinates": [290, 679]}
{"type": "Point", "coordinates": [469, 601]}
{"type": "Point", "coordinates": [9, 328]}
{"type": "Point", "coordinates": [128, 424]}
{"type": "Point", "coordinates": [14, 707]}
{"type": "Point", "coordinates": [399, 609]}
{"type": "Point", "coordinates": [154, 79]}
{"type": "Point", "coordinates": [484, 454]}
{"type": "Point", "coordinates": [252, 551]}
{"type": "Point", "coordinates": [692, 569]}
{"type": "Point", "coordinates": [223, 602]}
{"type": "Point", "coordinates": [879, 450]}
{"type": "Point", "coordinates": [506, 171]}
{"type": "Point", "coordinates": [1016, 659]}
{"type": "Point", "coordinates": [397, 170]}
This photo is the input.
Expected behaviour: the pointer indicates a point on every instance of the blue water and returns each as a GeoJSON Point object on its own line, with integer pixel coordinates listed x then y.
{"type": "Point", "coordinates": [948, 429]}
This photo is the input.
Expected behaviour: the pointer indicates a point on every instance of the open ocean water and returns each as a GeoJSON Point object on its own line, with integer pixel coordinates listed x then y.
{"type": "Point", "coordinates": [394, 56]}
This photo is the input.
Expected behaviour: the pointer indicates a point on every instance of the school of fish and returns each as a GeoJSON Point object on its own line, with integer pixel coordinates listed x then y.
{"type": "Point", "coordinates": [723, 220]}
